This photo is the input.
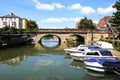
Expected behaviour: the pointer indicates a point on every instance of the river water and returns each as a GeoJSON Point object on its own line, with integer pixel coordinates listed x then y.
{"type": "Point", "coordinates": [44, 62]}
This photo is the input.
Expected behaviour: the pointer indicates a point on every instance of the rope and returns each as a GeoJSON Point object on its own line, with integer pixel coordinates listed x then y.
{"type": "Point", "coordinates": [116, 72]}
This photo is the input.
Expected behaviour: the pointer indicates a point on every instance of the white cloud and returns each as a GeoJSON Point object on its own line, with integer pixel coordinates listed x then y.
{"type": "Point", "coordinates": [106, 10]}
{"type": "Point", "coordinates": [87, 10]}
{"type": "Point", "coordinates": [95, 21]}
{"type": "Point", "coordinates": [42, 6]}
{"type": "Point", "coordinates": [58, 5]}
{"type": "Point", "coordinates": [42, 63]}
{"type": "Point", "coordinates": [83, 9]}
{"type": "Point", "coordinates": [53, 20]}
{"type": "Point", "coordinates": [75, 6]}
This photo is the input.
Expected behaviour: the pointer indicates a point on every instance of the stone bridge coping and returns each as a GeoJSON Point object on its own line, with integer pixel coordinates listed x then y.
{"type": "Point", "coordinates": [68, 31]}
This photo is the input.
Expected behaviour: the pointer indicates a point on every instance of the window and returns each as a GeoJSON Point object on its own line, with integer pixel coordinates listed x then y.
{"type": "Point", "coordinates": [14, 24]}
{"type": "Point", "coordinates": [92, 53]}
{"type": "Point", "coordinates": [5, 23]}
{"type": "Point", "coordinates": [13, 19]}
{"type": "Point", "coordinates": [81, 49]}
{"type": "Point", "coordinates": [2, 19]}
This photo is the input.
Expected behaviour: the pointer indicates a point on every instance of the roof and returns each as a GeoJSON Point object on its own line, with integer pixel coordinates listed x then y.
{"type": "Point", "coordinates": [104, 22]}
{"type": "Point", "coordinates": [10, 15]}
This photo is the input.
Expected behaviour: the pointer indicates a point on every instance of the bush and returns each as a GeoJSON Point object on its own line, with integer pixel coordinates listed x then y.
{"type": "Point", "coordinates": [109, 41]}
{"type": "Point", "coordinates": [116, 45]}
{"type": "Point", "coordinates": [101, 39]}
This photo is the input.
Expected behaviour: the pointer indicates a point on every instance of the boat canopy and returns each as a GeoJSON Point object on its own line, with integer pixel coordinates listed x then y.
{"type": "Point", "coordinates": [102, 51]}
{"type": "Point", "coordinates": [12, 35]}
{"type": "Point", "coordinates": [105, 52]}
{"type": "Point", "coordinates": [105, 62]}
{"type": "Point", "coordinates": [93, 47]}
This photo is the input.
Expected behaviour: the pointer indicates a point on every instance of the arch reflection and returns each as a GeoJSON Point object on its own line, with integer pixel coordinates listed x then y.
{"type": "Point", "coordinates": [50, 43]}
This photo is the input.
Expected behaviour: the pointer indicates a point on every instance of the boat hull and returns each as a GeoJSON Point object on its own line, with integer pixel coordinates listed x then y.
{"type": "Point", "coordinates": [95, 69]}
{"type": "Point", "coordinates": [82, 57]}
{"type": "Point", "coordinates": [102, 65]}
{"type": "Point", "coordinates": [13, 39]}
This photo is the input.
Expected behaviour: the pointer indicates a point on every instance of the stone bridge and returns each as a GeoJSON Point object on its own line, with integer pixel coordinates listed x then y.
{"type": "Point", "coordinates": [64, 34]}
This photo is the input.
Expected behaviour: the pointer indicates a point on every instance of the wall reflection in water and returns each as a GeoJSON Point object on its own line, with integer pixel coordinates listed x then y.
{"type": "Point", "coordinates": [13, 56]}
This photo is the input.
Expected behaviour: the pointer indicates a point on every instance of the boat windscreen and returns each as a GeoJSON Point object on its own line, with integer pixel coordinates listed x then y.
{"type": "Point", "coordinates": [105, 53]}
{"type": "Point", "coordinates": [93, 47]}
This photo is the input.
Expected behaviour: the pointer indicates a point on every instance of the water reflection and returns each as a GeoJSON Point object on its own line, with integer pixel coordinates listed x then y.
{"type": "Point", "coordinates": [34, 62]}
{"type": "Point", "coordinates": [50, 43]}
{"type": "Point", "coordinates": [13, 56]}
{"type": "Point", "coordinates": [94, 74]}
{"type": "Point", "coordinates": [77, 64]}
{"type": "Point", "coordinates": [67, 56]}
{"type": "Point", "coordinates": [98, 75]}
{"type": "Point", "coordinates": [56, 49]}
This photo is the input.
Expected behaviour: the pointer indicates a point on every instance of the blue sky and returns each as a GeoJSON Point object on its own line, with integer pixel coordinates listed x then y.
{"type": "Point", "coordinates": [58, 13]}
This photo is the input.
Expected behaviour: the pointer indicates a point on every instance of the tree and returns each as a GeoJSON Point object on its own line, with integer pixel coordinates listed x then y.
{"type": "Point", "coordinates": [86, 24]}
{"type": "Point", "coordinates": [9, 30]}
{"type": "Point", "coordinates": [31, 25]}
{"type": "Point", "coordinates": [116, 15]}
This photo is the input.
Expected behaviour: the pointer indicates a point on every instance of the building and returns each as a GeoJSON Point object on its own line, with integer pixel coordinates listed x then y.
{"type": "Point", "coordinates": [104, 23]}
{"type": "Point", "coordinates": [76, 26]}
{"type": "Point", "coordinates": [24, 23]}
{"type": "Point", "coordinates": [13, 21]}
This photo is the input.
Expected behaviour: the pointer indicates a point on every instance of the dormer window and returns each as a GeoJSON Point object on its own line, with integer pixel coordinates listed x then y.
{"type": "Point", "coordinates": [11, 14]}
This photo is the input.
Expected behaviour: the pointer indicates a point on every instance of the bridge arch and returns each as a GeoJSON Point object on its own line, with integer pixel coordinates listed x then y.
{"type": "Point", "coordinates": [63, 34]}
{"type": "Point", "coordinates": [76, 37]}
{"type": "Point", "coordinates": [50, 35]}
{"type": "Point", "coordinates": [80, 39]}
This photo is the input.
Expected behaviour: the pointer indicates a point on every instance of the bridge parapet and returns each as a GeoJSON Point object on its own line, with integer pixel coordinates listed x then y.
{"type": "Point", "coordinates": [64, 31]}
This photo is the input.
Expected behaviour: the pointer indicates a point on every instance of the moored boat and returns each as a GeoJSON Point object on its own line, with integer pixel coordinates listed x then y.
{"type": "Point", "coordinates": [13, 39]}
{"type": "Point", "coordinates": [77, 49]}
{"type": "Point", "coordinates": [102, 65]}
{"type": "Point", "coordinates": [80, 49]}
{"type": "Point", "coordinates": [105, 45]}
{"type": "Point", "coordinates": [93, 53]}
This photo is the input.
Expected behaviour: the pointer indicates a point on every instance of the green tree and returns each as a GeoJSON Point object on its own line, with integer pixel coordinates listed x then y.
{"type": "Point", "coordinates": [9, 30]}
{"type": "Point", "coordinates": [86, 24]}
{"type": "Point", "coordinates": [32, 25]}
{"type": "Point", "coordinates": [116, 15]}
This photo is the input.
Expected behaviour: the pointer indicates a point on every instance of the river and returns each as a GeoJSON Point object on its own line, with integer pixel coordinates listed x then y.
{"type": "Point", "coordinates": [44, 62]}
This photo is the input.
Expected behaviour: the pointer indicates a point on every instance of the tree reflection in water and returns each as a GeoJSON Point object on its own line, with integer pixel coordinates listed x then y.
{"type": "Point", "coordinates": [13, 56]}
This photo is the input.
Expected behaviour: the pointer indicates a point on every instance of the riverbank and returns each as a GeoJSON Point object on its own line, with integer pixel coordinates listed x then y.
{"type": "Point", "coordinates": [116, 53]}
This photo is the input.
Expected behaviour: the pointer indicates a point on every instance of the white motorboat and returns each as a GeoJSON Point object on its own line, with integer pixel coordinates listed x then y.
{"type": "Point", "coordinates": [104, 45]}
{"type": "Point", "coordinates": [77, 49]}
{"type": "Point", "coordinates": [102, 65]}
{"type": "Point", "coordinates": [80, 49]}
{"type": "Point", "coordinates": [93, 53]}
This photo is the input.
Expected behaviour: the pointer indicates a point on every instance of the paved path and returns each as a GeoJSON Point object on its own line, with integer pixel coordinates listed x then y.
{"type": "Point", "coordinates": [116, 53]}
